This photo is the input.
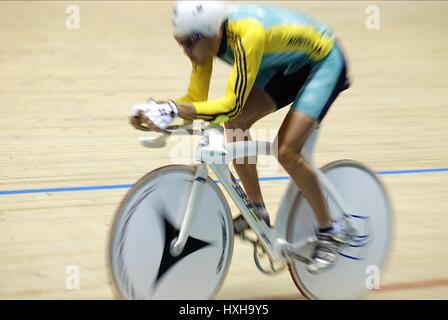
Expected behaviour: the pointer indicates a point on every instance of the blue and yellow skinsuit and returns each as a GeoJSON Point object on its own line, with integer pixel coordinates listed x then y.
{"type": "Point", "coordinates": [263, 42]}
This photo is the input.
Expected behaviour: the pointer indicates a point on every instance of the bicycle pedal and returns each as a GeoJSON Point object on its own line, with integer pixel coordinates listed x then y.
{"type": "Point", "coordinates": [299, 257]}
{"type": "Point", "coordinates": [240, 225]}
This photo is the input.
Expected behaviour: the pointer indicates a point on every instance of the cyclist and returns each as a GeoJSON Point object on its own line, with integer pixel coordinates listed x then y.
{"type": "Point", "coordinates": [279, 58]}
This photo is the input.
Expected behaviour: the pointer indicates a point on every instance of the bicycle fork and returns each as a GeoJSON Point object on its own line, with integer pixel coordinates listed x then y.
{"type": "Point", "coordinates": [210, 146]}
{"type": "Point", "coordinates": [200, 178]}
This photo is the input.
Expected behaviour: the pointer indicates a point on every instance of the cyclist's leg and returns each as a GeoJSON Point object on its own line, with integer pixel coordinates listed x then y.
{"type": "Point", "coordinates": [327, 79]}
{"type": "Point", "coordinates": [295, 130]}
{"type": "Point", "coordinates": [258, 105]}
{"type": "Point", "coordinates": [272, 91]}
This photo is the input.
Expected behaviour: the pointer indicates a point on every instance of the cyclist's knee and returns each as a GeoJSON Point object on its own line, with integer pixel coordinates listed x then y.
{"type": "Point", "coordinates": [238, 123]}
{"type": "Point", "coordinates": [290, 157]}
{"type": "Point", "coordinates": [237, 130]}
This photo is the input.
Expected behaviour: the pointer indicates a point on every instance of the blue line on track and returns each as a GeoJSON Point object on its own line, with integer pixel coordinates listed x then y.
{"type": "Point", "coordinates": [127, 186]}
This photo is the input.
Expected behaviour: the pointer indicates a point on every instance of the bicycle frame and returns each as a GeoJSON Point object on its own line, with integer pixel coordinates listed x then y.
{"type": "Point", "coordinates": [214, 152]}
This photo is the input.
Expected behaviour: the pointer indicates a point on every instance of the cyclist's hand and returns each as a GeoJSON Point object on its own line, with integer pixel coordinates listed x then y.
{"type": "Point", "coordinates": [135, 116]}
{"type": "Point", "coordinates": [136, 122]}
{"type": "Point", "coordinates": [162, 114]}
{"type": "Point", "coordinates": [156, 116]}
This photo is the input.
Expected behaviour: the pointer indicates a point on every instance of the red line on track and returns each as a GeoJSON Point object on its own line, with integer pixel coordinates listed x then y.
{"type": "Point", "coordinates": [385, 288]}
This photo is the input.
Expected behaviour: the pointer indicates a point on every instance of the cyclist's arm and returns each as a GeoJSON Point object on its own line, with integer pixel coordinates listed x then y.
{"type": "Point", "coordinates": [248, 43]}
{"type": "Point", "coordinates": [186, 111]}
{"type": "Point", "coordinates": [199, 84]}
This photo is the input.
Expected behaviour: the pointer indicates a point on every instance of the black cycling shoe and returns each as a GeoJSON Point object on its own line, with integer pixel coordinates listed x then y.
{"type": "Point", "coordinates": [240, 224]}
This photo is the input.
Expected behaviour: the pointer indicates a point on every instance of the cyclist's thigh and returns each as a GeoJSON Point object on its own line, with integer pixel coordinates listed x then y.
{"type": "Point", "coordinates": [258, 105]}
{"type": "Point", "coordinates": [327, 79]}
{"type": "Point", "coordinates": [295, 130]}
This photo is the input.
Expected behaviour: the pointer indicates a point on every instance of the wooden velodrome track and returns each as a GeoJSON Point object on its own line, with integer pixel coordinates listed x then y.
{"type": "Point", "coordinates": [64, 100]}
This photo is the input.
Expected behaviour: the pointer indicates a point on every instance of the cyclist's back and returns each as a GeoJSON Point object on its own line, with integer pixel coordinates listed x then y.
{"type": "Point", "coordinates": [291, 38]}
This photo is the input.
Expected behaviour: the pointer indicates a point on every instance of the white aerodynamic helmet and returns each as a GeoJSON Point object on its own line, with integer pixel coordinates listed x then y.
{"type": "Point", "coordinates": [204, 17]}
